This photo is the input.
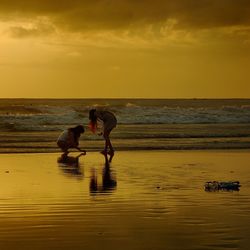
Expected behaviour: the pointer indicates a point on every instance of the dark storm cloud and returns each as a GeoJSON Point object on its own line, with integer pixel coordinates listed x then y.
{"type": "Point", "coordinates": [80, 15]}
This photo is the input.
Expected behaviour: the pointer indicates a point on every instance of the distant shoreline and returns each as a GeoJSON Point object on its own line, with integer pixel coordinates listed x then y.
{"type": "Point", "coordinates": [117, 98]}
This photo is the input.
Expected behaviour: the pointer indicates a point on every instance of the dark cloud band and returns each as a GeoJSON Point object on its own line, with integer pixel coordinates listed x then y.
{"type": "Point", "coordinates": [80, 15]}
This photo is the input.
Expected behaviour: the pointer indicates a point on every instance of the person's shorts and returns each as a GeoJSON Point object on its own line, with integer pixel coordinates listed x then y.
{"type": "Point", "coordinates": [108, 126]}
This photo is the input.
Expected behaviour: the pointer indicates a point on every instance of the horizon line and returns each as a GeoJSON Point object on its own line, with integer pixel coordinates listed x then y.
{"type": "Point", "coordinates": [125, 98]}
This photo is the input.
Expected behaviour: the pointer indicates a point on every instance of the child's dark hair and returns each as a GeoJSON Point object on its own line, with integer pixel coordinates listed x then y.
{"type": "Point", "coordinates": [93, 120]}
{"type": "Point", "coordinates": [77, 131]}
{"type": "Point", "coordinates": [92, 116]}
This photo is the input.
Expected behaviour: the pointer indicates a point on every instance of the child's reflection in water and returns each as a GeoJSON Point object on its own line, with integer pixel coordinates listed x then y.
{"type": "Point", "coordinates": [108, 180]}
{"type": "Point", "coordinates": [70, 165]}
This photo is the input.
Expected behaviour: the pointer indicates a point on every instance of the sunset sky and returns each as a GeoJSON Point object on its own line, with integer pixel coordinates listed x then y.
{"type": "Point", "coordinates": [125, 48]}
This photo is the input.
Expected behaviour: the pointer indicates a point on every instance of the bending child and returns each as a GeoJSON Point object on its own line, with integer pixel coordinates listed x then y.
{"type": "Point", "coordinates": [69, 138]}
{"type": "Point", "coordinates": [109, 122]}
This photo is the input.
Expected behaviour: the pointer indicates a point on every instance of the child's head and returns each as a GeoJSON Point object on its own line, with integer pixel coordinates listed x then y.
{"type": "Point", "coordinates": [93, 120]}
{"type": "Point", "coordinates": [79, 129]}
{"type": "Point", "coordinates": [92, 115]}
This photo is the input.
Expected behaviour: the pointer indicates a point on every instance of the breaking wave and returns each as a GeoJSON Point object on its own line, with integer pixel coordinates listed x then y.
{"type": "Point", "coordinates": [58, 115]}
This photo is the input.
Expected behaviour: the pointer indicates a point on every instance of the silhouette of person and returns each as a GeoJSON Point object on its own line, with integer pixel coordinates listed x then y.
{"type": "Point", "coordinates": [69, 138]}
{"type": "Point", "coordinates": [109, 123]}
{"type": "Point", "coordinates": [108, 183]}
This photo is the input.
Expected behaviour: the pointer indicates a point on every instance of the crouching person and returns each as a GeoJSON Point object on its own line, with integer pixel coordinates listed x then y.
{"type": "Point", "coordinates": [69, 138]}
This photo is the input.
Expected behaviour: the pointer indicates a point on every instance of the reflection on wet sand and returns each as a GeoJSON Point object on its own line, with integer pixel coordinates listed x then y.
{"type": "Point", "coordinates": [160, 203]}
{"type": "Point", "coordinates": [70, 165]}
{"type": "Point", "coordinates": [108, 183]}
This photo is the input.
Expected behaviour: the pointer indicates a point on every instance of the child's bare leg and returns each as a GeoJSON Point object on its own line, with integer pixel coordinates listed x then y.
{"type": "Point", "coordinates": [111, 151]}
{"type": "Point", "coordinates": [63, 146]}
{"type": "Point", "coordinates": [110, 147]}
{"type": "Point", "coordinates": [105, 150]}
{"type": "Point", "coordinates": [105, 136]}
{"type": "Point", "coordinates": [111, 157]}
{"type": "Point", "coordinates": [108, 142]}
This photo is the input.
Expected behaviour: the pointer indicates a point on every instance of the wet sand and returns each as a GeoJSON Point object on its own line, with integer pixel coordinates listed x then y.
{"type": "Point", "coordinates": [143, 200]}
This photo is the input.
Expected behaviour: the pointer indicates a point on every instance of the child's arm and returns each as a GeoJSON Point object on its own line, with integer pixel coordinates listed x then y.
{"type": "Point", "coordinates": [71, 140]}
{"type": "Point", "coordinates": [74, 143]}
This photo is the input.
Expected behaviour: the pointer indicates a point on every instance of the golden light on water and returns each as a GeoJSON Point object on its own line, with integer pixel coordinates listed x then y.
{"type": "Point", "coordinates": [43, 204]}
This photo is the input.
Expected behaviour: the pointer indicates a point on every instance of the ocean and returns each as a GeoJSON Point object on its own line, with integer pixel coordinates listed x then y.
{"type": "Point", "coordinates": [33, 125]}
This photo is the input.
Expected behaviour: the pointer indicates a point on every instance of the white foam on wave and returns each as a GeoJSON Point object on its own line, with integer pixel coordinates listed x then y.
{"type": "Point", "coordinates": [52, 117]}
{"type": "Point", "coordinates": [131, 105]}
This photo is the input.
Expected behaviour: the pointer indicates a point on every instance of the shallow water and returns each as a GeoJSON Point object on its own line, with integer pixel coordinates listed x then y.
{"type": "Point", "coordinates": [145, 200]}
{"type": "Point", "coordinates": [137, 137]}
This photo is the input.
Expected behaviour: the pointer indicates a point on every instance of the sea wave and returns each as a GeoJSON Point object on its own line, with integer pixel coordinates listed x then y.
{"type": "Point", "coordinates": [55, 117]}
{"type": "Point", "coordinates": [34, 125]}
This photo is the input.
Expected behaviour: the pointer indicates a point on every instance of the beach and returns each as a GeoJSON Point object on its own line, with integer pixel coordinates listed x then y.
{"type": "Point", "coordinates": [125, 125]}
{"type": "Point", "coordinates": [143, 200]}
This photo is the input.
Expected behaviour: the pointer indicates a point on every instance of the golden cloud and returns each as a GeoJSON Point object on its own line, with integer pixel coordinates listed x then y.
{"type": "Point", "coordinates": [82, 15]}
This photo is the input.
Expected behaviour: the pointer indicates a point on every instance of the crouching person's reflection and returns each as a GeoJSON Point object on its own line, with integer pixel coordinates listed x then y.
{"type": "Point", "coordinates": [70, 165]}
{"type": "Point", "coordinates": [108, 182]}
